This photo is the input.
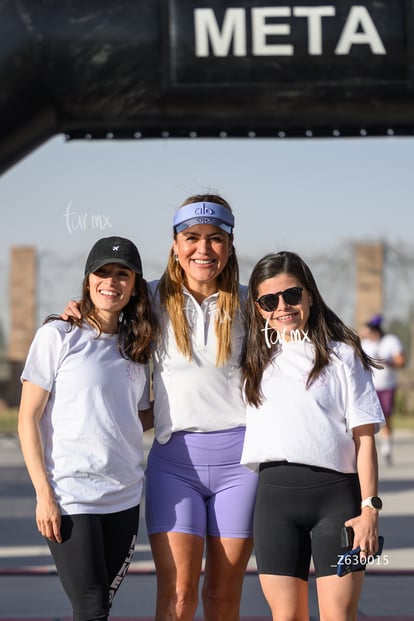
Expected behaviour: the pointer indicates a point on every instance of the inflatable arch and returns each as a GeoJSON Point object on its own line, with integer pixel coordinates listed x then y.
{"type": "Point", "coordinates": [135, 69]}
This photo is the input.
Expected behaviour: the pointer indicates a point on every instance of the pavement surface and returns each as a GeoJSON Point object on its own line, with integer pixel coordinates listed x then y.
{"type": "Point", "coordinates": [30, 589]}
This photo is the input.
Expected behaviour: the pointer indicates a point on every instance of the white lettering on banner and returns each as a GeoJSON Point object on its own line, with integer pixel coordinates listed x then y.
{"type": "Point", "coordinates": [314, 15]}
{"type": "Point", "coordinates": [359, 29]}
{"type": "Point", "coordinates": [206, 28]}
{"type": "Point", "coordinates": [261, 30]}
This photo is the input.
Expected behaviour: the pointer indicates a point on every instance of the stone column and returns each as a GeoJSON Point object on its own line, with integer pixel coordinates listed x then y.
{"type": "Point", "coordinates": [369, 281]}
{"type": "Point", "coordinates": [22, 292]}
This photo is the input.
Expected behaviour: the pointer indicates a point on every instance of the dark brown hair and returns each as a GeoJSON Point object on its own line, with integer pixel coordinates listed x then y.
{"type": "Point", "coordinates": [137, 325]}
{"type": "Point", "coordinates": [324, 326]}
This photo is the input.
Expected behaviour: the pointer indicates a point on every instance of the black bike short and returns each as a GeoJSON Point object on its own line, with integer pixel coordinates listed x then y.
{"type": "Point", "coordinates": [300, 512]}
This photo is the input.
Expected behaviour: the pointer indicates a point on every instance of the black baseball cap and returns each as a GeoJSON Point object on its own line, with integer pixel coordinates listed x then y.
{"type": "Point", "coordinates": [113, 250]}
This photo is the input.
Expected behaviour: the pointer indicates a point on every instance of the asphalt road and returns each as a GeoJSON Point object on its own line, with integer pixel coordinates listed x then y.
{"type": "Point", "coordinates": [30, 589]}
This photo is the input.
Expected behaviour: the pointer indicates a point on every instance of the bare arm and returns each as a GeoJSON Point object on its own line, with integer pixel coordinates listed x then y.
{"type": "Point", "coordinates": [398, 361]}
{"type": "Point", "coordinates": [365, 525]}
{"type": "Point", "coordinates": [32, 405]}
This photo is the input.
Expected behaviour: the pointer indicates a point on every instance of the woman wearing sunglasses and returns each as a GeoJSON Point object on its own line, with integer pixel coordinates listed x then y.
{"type": "Point", "coordinates": [311, 418]}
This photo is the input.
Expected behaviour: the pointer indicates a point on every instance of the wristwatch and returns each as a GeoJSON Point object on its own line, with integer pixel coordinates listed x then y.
{"type": "Point", "coordinates": [374, 502]}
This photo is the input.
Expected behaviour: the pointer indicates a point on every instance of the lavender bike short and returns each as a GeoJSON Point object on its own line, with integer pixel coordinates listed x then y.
{"type": "Point", "coordinates": [196, 485]}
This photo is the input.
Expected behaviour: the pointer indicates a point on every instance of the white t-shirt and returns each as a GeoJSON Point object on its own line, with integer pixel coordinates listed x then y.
{"type": "Point", "coordinates": [385, 348]}
{"type": "Point", "coordinates": [311, 426]}
{"type": "Point", "coordinates": [196, 395]}
{"type": "Point", "coordinates": [91, 431]}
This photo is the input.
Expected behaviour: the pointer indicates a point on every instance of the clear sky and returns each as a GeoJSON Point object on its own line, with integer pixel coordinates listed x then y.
{"type": "Point", "coordinates": [304, 193]}
{"type": "Point", "coordinates": [308, 195]}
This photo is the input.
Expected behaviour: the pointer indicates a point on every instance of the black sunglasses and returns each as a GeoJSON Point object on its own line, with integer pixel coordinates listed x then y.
{"type": "Point", "coordinates": [270, 301]}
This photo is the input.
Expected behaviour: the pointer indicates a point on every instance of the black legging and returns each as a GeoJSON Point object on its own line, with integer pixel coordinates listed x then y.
{"type": "Point", "coordinates": [93, 559]}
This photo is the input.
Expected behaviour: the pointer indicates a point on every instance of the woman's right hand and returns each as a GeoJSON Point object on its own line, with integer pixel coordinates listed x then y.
{"type": "Point", "coordinates": [48, 519]}
{"type": "Point", "coordinates": [32, 406]}
{"type": "Point", "coordinates": [71, 310]}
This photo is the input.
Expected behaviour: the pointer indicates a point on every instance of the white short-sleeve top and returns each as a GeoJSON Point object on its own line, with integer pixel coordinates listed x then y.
{"type": "Point", "coordinates": [311, 426]}
{"type": "Point", "coordinates": [90, 429]}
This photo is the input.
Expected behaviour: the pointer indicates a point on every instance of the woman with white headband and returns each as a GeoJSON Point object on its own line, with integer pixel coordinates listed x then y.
{"type": "Point", "coordinates": [197, 493]}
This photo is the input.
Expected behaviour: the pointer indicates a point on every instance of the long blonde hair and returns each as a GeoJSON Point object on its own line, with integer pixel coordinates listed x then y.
{"type": "Point", "coordinates": [228, 303]}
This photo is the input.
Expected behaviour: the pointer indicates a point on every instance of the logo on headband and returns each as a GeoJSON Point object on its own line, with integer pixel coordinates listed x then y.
{"type": "Point", "coordinates": [204, 211]}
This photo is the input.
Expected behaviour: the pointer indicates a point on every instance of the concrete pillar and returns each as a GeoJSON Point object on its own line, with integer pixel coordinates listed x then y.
{"type": "Point", "coordinates": [369, 281]}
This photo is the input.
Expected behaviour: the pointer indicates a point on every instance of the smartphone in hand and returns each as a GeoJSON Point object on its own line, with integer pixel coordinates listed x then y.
{"type": "Point", "coordinates": [351, 560]}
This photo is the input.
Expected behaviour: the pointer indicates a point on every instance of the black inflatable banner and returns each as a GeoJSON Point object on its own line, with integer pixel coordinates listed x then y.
{"type": "Point", "coordinates": [186, 68]}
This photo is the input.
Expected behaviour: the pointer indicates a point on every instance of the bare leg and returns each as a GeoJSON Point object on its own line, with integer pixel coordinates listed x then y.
{"type": "Point", "coordinates": [286, 596]}
{"type": "Point", "coordinates": [226, 562]}
{"type": "Point", "coordinates": [178, 558]}
{"type": "Point", "coordinates": [338, 597]}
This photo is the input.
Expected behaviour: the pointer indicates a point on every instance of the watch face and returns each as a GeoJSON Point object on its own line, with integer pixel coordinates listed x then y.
{"type": "Point", "coordinates": [376, 502]}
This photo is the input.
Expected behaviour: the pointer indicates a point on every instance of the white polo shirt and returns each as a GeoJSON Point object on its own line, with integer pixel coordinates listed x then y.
{"type": "Point", "coordinates": [197, 395]}
{"type": "Point", "coordinates": [311, 426]}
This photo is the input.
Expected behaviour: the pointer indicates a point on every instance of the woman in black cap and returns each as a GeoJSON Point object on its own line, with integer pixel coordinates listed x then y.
{"type": "Point", "coordinates": [83, 384]}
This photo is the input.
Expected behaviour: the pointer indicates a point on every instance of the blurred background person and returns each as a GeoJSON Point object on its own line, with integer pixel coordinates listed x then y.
{"type": "Point", "coordinates": [390, 351]}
